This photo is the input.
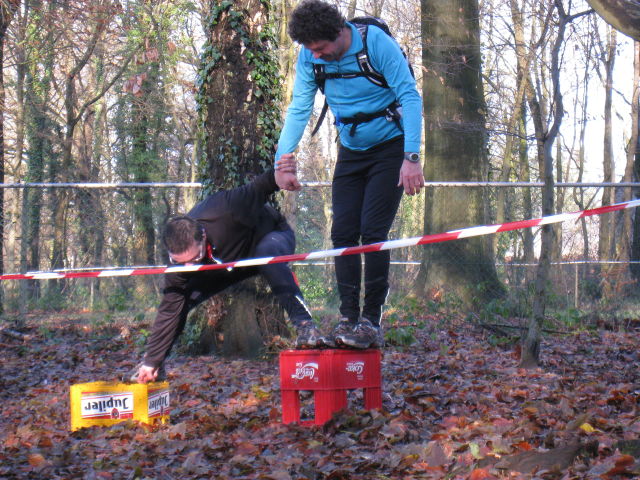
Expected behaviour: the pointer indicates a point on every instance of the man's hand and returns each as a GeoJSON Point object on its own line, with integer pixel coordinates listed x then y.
{"type": "Point", "coordinates": [411, 177]}
{"type": "Point", "coordinates": [286, 163]}
{"type": "Point", "coordinates": [287, 181]}
{"type": "Point", "coordinates": [147, 374]}
{"type": "Point", "coordinates": [286, 173]}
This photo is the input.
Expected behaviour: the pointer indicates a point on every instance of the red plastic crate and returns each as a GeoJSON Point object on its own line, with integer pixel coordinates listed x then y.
{"type": "Point", "coordinates": [328, 374]}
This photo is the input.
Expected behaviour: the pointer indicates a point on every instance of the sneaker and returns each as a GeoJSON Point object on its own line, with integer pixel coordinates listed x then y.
{"type": "Point", "coordinates": [343, 327]}
{"type": "Point", "coordinates": [379, 340]}
{"type": "Point", "coordinates": [162, 374]}
{"type": "Point", "coordinates": [308, 335]}
{"type": "Point", "coordinates": [364, 335]}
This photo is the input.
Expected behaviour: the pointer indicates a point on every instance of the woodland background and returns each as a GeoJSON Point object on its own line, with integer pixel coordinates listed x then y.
{"type": "Point", "coordinates": [182, 91]}
{"type": "Point", "coordinates": [147, 96]}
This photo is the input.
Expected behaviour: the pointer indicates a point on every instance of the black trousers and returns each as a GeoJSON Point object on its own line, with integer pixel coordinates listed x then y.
{"type": "Point", "coordinates": [365, 200]}
{"type": "Point", "coordinates": [278, 275]}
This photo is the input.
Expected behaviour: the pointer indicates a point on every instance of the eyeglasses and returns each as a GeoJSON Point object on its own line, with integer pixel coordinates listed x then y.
{"type": "Point", "coordinates": [197, 258]}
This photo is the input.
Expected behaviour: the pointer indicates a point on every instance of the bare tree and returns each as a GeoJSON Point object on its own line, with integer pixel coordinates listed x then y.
{"type": "Point", "coordinates": [546, 136]}
{"type": "Point", "coordinates": [7, 10]}
{"type": "Point", "coordinates": [606, 245]}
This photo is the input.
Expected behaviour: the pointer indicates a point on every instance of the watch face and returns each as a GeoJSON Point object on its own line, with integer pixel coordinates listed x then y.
{"type": "Point", "coordinates": [413, 157]}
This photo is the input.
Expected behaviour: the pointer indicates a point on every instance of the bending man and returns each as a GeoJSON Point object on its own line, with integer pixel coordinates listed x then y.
{"type": "Point", "coordinates": [226, 226]}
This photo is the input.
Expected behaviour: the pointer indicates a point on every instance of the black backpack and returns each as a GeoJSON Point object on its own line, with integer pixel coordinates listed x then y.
{"type": "Point", "coordinates": [366, 70]}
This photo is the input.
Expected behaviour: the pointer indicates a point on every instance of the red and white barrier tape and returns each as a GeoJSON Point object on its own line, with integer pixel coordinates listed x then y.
{"type": "Point", "coordinates": [375, 247]}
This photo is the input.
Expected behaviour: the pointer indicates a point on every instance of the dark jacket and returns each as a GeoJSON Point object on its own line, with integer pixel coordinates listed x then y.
{"type": "Point", "coordinates": [235, 221]}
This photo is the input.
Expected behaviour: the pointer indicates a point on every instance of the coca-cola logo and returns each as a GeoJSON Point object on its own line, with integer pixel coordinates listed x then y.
{"type": "Point", "coordinates": [305, 370]}
{"type": "Point", "coordinates": [355, 367]}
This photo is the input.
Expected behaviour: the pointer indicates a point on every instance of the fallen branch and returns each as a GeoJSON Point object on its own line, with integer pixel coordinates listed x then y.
{"type": "Point", "coordinates": [497, 327]}
{"type": "Point", "coordinates": [17, 335]}
{"type": "Point", "coordinates": [546, 330]}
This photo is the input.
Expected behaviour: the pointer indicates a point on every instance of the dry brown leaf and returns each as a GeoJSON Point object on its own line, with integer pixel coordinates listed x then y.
{"type": "Point", "coordinates": [36, 460]}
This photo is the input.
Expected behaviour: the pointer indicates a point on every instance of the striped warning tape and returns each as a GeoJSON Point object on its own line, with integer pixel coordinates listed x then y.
{"type": "Point", "coordinates": [375, 247]}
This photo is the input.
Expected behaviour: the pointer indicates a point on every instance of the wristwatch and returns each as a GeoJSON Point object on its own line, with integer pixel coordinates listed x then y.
{"type": "Point", "coordinates": [412, 157]}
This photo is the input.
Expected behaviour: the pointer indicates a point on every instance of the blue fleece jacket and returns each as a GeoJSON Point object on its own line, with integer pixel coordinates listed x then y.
{"type": "Point", "coordinates": [346, 97]}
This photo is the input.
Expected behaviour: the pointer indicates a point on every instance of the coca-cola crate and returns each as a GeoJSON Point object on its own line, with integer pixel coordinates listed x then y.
{"type": "Point", "coordinates": [329, 374]}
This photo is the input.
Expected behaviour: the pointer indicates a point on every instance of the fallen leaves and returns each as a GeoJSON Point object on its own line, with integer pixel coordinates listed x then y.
{"type": "Point", "coordinates": [454, 407]}
{"type": "Point", "coordinates": [36, 460]}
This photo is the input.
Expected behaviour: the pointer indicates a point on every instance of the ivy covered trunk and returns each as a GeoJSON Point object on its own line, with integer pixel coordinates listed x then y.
{"type": "Point", "coordinates": [238, 100]}
{"type": "Point", "coordinates": [239, 93]}
{"type": "Point", "coordinates": [455, 150]}
{"type": "Point", "coordinates": [39, 134]}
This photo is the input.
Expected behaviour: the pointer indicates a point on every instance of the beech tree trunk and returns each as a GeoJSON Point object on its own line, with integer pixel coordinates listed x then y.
{"type": "Point", "coordinates": [455, 140]}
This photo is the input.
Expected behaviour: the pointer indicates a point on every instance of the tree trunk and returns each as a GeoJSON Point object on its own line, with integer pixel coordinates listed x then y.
{"type": "Point", "coordinates": [67, 172]}
{"type": "Point", "coordinates": [455, 140]}
{"type": "Point", "coordinates": [92, 227]}
{"type": "Point", "coordinates": [556, 252]}
{"type": "Point", "coordinates": [239, 98]}
{"type": "Point", "coordinates": [287, 59]}
{"type": "Point", "coordinates": [623, 15]}
{"type": "Point", "coordinates": [7, 9]}
{"type": "Point", "coordinates": [351, 9]}
{"type": "Point", "coordinates": [240, 111]}
{"type": "Point", "coordinates": [545, 139]}
{"type": "Point", "coordinates": [531, 339]}
{"type": "Point", "coordinates": [606, 244]}
{"type": "Point", "coordinates": [141, 167]}
{"type": "Point", "coordinates": [633, 156]}
{"type": "Point", "coordinates": [39, 133]}
{"type": "Point", "coordinates": [579, 193]}
{"type": "Point", "coordinates": [514, 122]}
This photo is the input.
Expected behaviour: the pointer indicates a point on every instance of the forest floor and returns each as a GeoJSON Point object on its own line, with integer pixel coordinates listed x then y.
{"type": "Point", "coordinates": [455, 406]}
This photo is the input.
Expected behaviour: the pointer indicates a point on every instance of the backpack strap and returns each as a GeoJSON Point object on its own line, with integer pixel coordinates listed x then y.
{"type": "Point", "coordinates": [391, 113]}
{"type": "Point", "coordinates": [323, 114]}
{"type": "Point", "coordinates": [366, 70]}
{"type": "Point", "coordinates": [320, 77]}
{"type": "Point", "coordinates": [363, 60]}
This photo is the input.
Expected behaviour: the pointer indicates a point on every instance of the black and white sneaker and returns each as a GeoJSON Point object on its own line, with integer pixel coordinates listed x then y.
{"type": "Point", "coordinates": [308, 335]}
{"type": "Point", "coordinates": [343, 327]}
{"type": "Point", "coordinates": [363, 335]}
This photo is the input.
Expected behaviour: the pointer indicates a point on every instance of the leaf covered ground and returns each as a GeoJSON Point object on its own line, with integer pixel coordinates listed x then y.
{"type": "Point", "coordinates": [455, 407]}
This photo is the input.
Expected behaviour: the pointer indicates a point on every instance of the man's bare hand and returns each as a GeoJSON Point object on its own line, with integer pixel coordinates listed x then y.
{"type": "Point", "coordinates": [147, 374]}
{"type": "Point", "coordinates": [411, 177]}
{"type": "Point", "coordinates": [287, 181]}
{"type": "Point", "coordinates": [287, 163]}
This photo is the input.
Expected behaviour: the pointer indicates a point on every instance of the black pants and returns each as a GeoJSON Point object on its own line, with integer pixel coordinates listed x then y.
{"type": "Point", "coordinates": [278, 275]}
{"type": "Point", "coordinates": [365, 200]}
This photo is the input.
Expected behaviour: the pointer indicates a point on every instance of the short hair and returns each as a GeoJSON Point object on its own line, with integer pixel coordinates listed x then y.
{"type": "Point", "coordinates": [180, 233]}
{"type": "Point", "coordinates": [314, 20]}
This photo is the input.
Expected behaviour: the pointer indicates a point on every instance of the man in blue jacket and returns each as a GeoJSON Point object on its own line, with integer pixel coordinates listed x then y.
{"type": "Point", "coordinates": [379, 124]}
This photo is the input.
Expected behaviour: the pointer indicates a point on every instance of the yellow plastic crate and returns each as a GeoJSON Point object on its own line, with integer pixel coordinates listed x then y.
{"type": "Point", "coordinates": [107, 403]}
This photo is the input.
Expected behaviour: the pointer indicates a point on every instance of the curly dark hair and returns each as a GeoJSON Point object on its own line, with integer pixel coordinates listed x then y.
{"type": "Point", "coordinates": [180, 233]}
{"type": "Point", "coordinates": [314, 20]}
